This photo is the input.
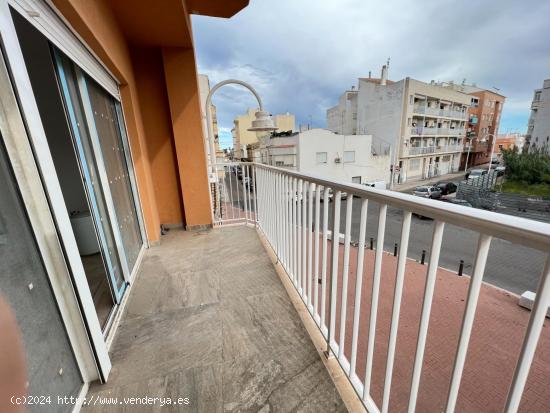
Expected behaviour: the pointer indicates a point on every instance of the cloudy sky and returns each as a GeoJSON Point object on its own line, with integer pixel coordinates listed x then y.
{"type": "Point", "coordinates": [302, 54]}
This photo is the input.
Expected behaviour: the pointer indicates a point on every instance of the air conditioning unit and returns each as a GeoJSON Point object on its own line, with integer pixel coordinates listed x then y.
{"type": "Point", "coordinates": [337, 160]}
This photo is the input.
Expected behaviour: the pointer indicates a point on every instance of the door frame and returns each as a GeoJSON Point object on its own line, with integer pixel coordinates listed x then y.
{"type": "Point", "coordinates": [25, 141]}
{"type": "Point", "coordinates": [36, 177]}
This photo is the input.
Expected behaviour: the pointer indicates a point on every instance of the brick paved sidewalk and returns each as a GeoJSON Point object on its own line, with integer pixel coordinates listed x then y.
{"type": "Point", "coordinates": [495, 343]}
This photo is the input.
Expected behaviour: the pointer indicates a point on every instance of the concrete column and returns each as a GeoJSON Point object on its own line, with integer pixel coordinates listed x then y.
{"type": "Point", "coordinates": [183, 97]}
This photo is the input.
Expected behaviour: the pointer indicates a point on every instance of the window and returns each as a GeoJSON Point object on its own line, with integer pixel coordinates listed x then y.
{"type": "Point", "coordinates": [279, 163]}
{"type": "Point", "coordinates": [356, 179]}
{"type": "Point", "coordinates": [414, 164]}
{"type": "Point", "coordinates": [321, 157]}
{"type": "Point", "coordinates": [349, 156]}
{"type": "Point", "coordinates": [537, 96]}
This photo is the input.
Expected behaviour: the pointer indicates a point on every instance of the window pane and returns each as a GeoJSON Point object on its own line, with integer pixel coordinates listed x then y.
{"type": "Point", "coordinates": [321, 157]}
{"type": "Point", "coordinates": [112, 149]}
{"type": "Point", "coordinates": [97, 197]}
{"type": "Point", "coordinates": [47, 347]}
{"type": "Point", "coordinates": [349, 156]}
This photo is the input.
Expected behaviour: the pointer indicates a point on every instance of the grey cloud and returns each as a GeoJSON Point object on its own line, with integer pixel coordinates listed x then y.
{"type": "Point", "coordinates": [301, 55]}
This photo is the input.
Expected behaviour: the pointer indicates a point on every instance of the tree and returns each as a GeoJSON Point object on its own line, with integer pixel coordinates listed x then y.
{"type": "Point", "coordinates": [530, 168]}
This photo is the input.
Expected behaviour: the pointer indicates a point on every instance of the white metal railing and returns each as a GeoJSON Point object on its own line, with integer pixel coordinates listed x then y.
{"type": "Point", "coordinates": [292, 211]}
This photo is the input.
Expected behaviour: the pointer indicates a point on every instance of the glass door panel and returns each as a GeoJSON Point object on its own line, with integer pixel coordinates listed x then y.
{"type": "Point", "coordinates": [89, 165]}
{"type": "Point", "coordinates": [109, 133]}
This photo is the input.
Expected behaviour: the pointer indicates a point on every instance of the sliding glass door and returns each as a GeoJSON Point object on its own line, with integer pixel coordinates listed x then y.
{"type": "Point", "coordinates": [108, 126]}
{"type": "Point", "coordinates": [98, 133]}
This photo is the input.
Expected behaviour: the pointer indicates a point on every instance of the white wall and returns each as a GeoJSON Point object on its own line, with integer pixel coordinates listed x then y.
{"type": "Point", "coordinates": [379, 110]}
{"type": "Point", "coordinates": [370, 168]}
{"type": "Point", "coordinates": [541, 127]}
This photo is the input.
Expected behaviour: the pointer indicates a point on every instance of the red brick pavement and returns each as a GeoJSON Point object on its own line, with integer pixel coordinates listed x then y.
{"type": "Point", "coordinates": [495, 343]}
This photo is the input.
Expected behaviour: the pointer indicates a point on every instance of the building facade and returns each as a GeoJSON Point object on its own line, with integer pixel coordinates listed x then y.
{"type": "Point", "coordinates": [422, 124]}
{"type": "Point", "coordinates": [342, 118]}
{"type": "Point", "coordinates": [346, 158]}
{"type": "Point", "coordinates": [204, 88]}
{"type": "Point", "coordinates": [507, 142]}
{"type": "Point", "coordinates": [538, 129]}
{"type": "Point", "coordinates": [484, 115]}
{"type": "Point", "coordinates": [101, 143]}
{"type": "Point", "coordinates": [243, 139]}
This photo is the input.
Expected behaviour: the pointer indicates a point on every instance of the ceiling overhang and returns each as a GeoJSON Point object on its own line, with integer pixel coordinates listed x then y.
{"type": "Point", "coordinates": [216, 8]}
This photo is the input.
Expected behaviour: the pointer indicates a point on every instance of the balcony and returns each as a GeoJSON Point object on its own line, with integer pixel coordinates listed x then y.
{"type": "Point", "coordinates": [218, 316]}
{"type": "Point", "coordinates": [209, 319]}
{"type": "Point", "coordinates": [426, 150]}
{"type": "Point", "coordinates": [464, 360]}
{"type": "Point", "coordinates": [433, 131]}
{"type": "Point", "coordinates": [437, 112]}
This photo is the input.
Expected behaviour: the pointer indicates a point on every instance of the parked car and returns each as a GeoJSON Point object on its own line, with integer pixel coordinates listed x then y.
{"type": "Point", "coordinates": [343, 195]}
{"type": "Point", "coordinates": [455, 201]}
{"type": "Point", "coordinates": [476, 173]}
{"type": "Point", "coordinates": [446, 187]}
{"type": "Point", "coordinates": [431, 192]}
{"type": "Point", "coordinates": [500, 170]}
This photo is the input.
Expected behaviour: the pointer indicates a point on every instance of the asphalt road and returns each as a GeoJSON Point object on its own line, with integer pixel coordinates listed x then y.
{"type": "Point", "coordinates": [510, 266]}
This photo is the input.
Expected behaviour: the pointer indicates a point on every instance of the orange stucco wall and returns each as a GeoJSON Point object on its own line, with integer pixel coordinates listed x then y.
{"type": "Point", "coordinates": [160, 99]}
{"type": "Point", "coordinates": [96, 24]}
{"type": "Point", "coordinates": [183, 95]}
{"type": "Point", "coordinates": [149, 74]}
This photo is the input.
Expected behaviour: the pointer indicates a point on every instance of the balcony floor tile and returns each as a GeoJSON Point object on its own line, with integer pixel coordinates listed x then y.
{"type": "Point", "coordinates": [209, 319]}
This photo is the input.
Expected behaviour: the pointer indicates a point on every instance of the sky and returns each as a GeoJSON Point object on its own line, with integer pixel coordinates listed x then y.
{"type": "Point", "coordinates": [300, 55]}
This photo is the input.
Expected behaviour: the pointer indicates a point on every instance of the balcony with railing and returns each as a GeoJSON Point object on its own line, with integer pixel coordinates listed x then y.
{"type": "Point", "coordinates": [408, 336]}
{"type": "Point", "coordinates": [426, 150]}
{"type": "Point", "coordinates": [437, 112]}
{"type": "Point", "coordinates": [435, 131]}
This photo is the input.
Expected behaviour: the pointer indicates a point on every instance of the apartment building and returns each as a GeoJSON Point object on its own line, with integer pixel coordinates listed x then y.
{"type": "Point", "coordinates": [243, 138]}
{"type": "Point", "coordinates": [538, 129]}
{"type": "Point", "coordinates": [423, 124]}
{"type": "Point", "coordinates": [342, 118]}
{"type": "Point", "coordinates": [508, 141]}
{"type": "Point", "coordinates": [484, 113]}
{"type": "Point", "coordinates": [204, 89]}
{"type": "Point", "coordinates": [345, 158]}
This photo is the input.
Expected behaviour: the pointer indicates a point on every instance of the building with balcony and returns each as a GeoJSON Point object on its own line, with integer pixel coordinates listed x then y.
{"type": "Point", "coordinates": [243, 138]}
{"type": "Point", "coordinates": [423, 124]}
{"type": "Point", "coordinates": [538, 129]}
{"type": "Point", "coordinates": [484, 113]}
{"type": "Point", "coordinates": [347, 158]}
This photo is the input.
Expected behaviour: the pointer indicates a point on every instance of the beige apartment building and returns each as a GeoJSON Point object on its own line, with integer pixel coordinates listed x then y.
{"type": "Point", "coordinates": [243, 138]}
{"type": "Point", "coordinates": [422, 124]}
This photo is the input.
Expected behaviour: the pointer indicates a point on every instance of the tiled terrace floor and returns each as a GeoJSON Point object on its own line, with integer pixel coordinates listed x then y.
{"type": "Point", "coordinates": [208, 319]}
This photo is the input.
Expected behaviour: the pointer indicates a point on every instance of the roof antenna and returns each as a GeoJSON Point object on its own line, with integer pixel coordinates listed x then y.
{"type": "Point", "coordinates": [388, 63]}
{"type": "Point", "coordinates": [369, 74]}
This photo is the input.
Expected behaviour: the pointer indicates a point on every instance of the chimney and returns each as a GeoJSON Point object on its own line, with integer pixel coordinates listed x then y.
{"type": "Point", "coordinates": [369, 74]}
{"type": "Point", "coordinates": [352, 87]}
{"type": "Point", "coordinates": [384, 76]}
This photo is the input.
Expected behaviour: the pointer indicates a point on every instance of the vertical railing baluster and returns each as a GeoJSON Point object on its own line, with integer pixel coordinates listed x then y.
{"type": "Point", "coordinates": [255, 195]}
{"type": "Point", "coordinates": [358, 283]}
{"type": "Point", "coordinates": [316, 253]}
{"type": "Point", "coordinates": [298, 195]}
{"type": "Point", "coordinates": [244, 194]}
{"type": "Point", "coordinates": [483, 246]}
{"type": "Point", "coordinates": [310, 247]}
{"type": "Point", "coordinates": [237, 190]}
{"type": "Point", "coordinates": [303, 195]}
{"type": "Point", "coordinates": [345, 273]}
{"type": "Point", "coordinates": [231, 192]}
{"type": "Point", "coordinates": [396, 308]}
{"type": "Point", "coordinates": [294, 232]}
{"type": "Point", "coordinates": [335, 245]}
{"type": "Point", "coordinates": [429, 287]}
{"type": "Point", "coordinates": [532, 335]}
{"type": "Point", "coordinates": [324, 256]}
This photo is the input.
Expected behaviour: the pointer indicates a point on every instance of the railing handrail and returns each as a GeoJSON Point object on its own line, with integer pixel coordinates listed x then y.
{"type": "Point", "coordinates": [519, 230]}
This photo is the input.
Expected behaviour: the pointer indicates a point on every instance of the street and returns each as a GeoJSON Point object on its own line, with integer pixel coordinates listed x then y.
{"type": "Point", "coordinates": [510, 266]}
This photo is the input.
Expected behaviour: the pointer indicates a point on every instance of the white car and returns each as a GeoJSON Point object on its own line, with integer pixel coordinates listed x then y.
{"type": "Point", "coordinates": [476, 173]}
